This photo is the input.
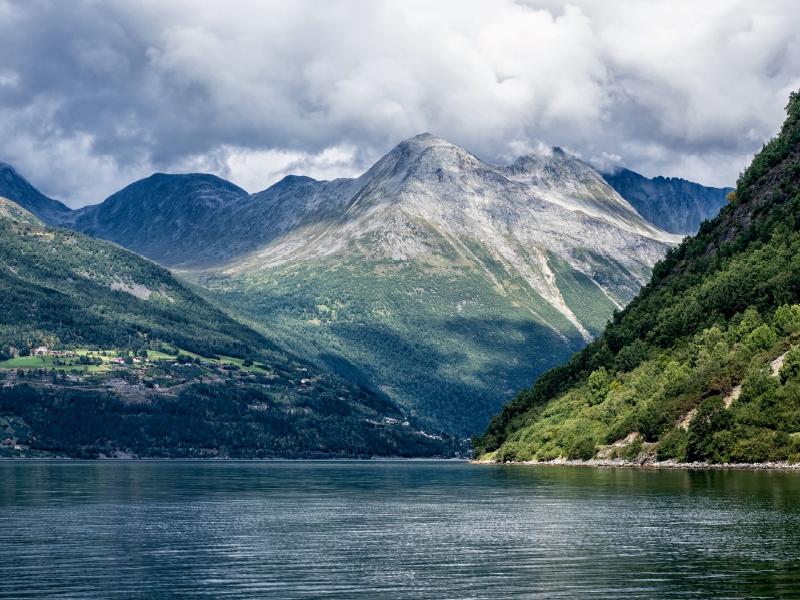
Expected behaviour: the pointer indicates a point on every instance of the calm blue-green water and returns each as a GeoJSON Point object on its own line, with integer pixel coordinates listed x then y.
{"type": "Point", "coordinates": [393, 530]}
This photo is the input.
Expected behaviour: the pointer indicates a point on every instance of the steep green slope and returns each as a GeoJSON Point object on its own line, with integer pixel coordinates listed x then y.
{"type": "Point", "coordinates": [65, 289]}
{"type": "Point", "coordinates": [685, 370]}
{"type": "Point", "coordinates": [142, 365]}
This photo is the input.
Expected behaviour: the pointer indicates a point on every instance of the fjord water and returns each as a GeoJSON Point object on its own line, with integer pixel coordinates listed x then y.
{"type": "Point", "coordinates": [393, 530]}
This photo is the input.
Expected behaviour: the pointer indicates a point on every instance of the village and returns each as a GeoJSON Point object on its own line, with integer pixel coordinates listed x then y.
{"type": "Point", "coordinates": [164, 370]}
{"type": "Point", "coordinates": [133, 377]}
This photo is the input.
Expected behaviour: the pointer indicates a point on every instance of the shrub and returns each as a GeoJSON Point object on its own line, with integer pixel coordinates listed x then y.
{"type": "Point", "coordinates": [757, 381]}
{"type": "Point", "coordinates": [791, 365]}
{"type": "Point", "coordinates": [787, 318]}
{"type": "Point", "coordinates": [761, 338]}
{"type": "Point", "coordinates": [721, 446]}
{"type": "Point", "coordinates": [598, 386]}
{"type": "Point", "coordinates": [754, 449]}
{"type": "Point", "coordinates": [750, 321]}
{"type": "Point", "coordinates": [632, 450]}
{"type": "Point", "coordinates": [673, 445]}
{"type": "Point", "coordinates": [582, 449]}
{"type": "Point", "coordinates": [711, 418]}
{"type": "Point", "coordinates": [513, 452]}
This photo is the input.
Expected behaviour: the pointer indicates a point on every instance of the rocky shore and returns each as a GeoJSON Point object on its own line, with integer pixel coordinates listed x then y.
{"type": "Point", "coordinates": [646, 462]}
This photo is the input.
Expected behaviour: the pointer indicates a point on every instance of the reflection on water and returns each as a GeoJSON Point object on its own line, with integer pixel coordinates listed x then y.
{"type": "Point", "coordinates": [393, 530]}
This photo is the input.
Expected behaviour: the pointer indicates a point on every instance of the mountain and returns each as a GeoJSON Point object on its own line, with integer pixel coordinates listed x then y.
{"type": "Point", "coordinates": [430, 277]}
{"type": "Point", "coordinates": [704, 364]}
{"type": "Point", "coordinates": [168, 218]}
{"type": "Point", "coordinates": [673, 204]}
{"type": "Point", "coordinates": [16, 188]}
{"type": "Point", "coordinates": [134, 362]}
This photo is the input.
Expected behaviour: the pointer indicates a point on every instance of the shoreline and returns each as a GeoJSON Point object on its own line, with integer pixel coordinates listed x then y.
{"type": "Point", "coordinates": [626, 464]}
{"type": "Point", "coordinates": [227, 459]}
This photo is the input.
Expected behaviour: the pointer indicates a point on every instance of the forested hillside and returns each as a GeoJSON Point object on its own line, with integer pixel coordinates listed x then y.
{"type": "Point", "coordinates": [703, 364]}
{"type": "Point", "coordinates": [64, 289]}
{"type": "Point", "coordinates": [103, 352]}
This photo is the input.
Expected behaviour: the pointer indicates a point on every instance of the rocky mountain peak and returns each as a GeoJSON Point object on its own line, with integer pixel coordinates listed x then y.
{"type": "Point", "coordinates": [423, 158]}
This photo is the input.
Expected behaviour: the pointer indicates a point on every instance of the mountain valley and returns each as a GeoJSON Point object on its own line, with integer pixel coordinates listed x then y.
{"type": "Point", "coordinates": [440, 281]}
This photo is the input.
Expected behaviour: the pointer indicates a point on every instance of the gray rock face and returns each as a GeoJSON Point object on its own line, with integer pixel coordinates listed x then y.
{"type": "Point", "coordinates": [17, 189]}
{"type": "Point", "coordinates": [520, 212]}
{"type": "Point", "coordinates": [673, 204]}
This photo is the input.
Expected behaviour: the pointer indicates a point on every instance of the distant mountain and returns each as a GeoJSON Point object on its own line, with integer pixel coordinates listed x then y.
{"type": "Point", "coordinates": [169, 218]}
{"type": "Point", "coordinates": [215, 388]}
{"type": "Point", "coordinates": [445, 282]}
{"type": "Point", "coordinates": [16, 188]}
{"type": "Point", "coordinates": [673, 204]}
{"type": "Point", "coordinates": [704, 364]}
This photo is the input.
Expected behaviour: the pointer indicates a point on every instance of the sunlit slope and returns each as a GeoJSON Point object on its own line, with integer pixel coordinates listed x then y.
{"type": "Point", "coordinates": [59, 284]}
{"type": "Point", "coordinates": [704, 364]}
{"type": "Point", "coordinates": [444, 341]}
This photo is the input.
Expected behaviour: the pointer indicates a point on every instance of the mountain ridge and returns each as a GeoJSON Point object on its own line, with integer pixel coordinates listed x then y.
{"type": "Point", "coordinates": [671, 203]}
{"type": "Point", "coordinates": [17, 189]}
{"type": "Point", "coordinates": [105, 353]}
{"type": "Point", "coordinates": [482, 251]}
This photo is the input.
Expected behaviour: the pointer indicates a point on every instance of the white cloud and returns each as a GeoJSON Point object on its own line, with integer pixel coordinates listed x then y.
{"type": "Point", "coordinates": [256, 170]}
{"type": "Point", "coordinates": [97, 92]}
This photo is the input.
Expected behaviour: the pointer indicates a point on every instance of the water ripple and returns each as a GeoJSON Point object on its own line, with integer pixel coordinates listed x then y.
{"type": "Point", "coordinates": [393, 530]}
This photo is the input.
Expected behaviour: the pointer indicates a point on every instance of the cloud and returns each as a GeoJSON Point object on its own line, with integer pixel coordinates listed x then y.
{"type": "Point", "coordinates": [97, 93]}
{"type": "Point", "coordinates": [251, 168]}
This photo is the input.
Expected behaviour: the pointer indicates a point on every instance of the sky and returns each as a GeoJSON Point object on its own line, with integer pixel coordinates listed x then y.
{"type": "Point", "coordinates": [96, 94]}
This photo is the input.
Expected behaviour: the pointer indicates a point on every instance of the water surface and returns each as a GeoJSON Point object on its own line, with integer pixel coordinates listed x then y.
{"type": "Point", "coordinates": [393, 530]}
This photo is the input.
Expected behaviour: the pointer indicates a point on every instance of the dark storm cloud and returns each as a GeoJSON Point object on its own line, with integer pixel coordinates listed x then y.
{"type": "Point", "coordinates": [95, 94]}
